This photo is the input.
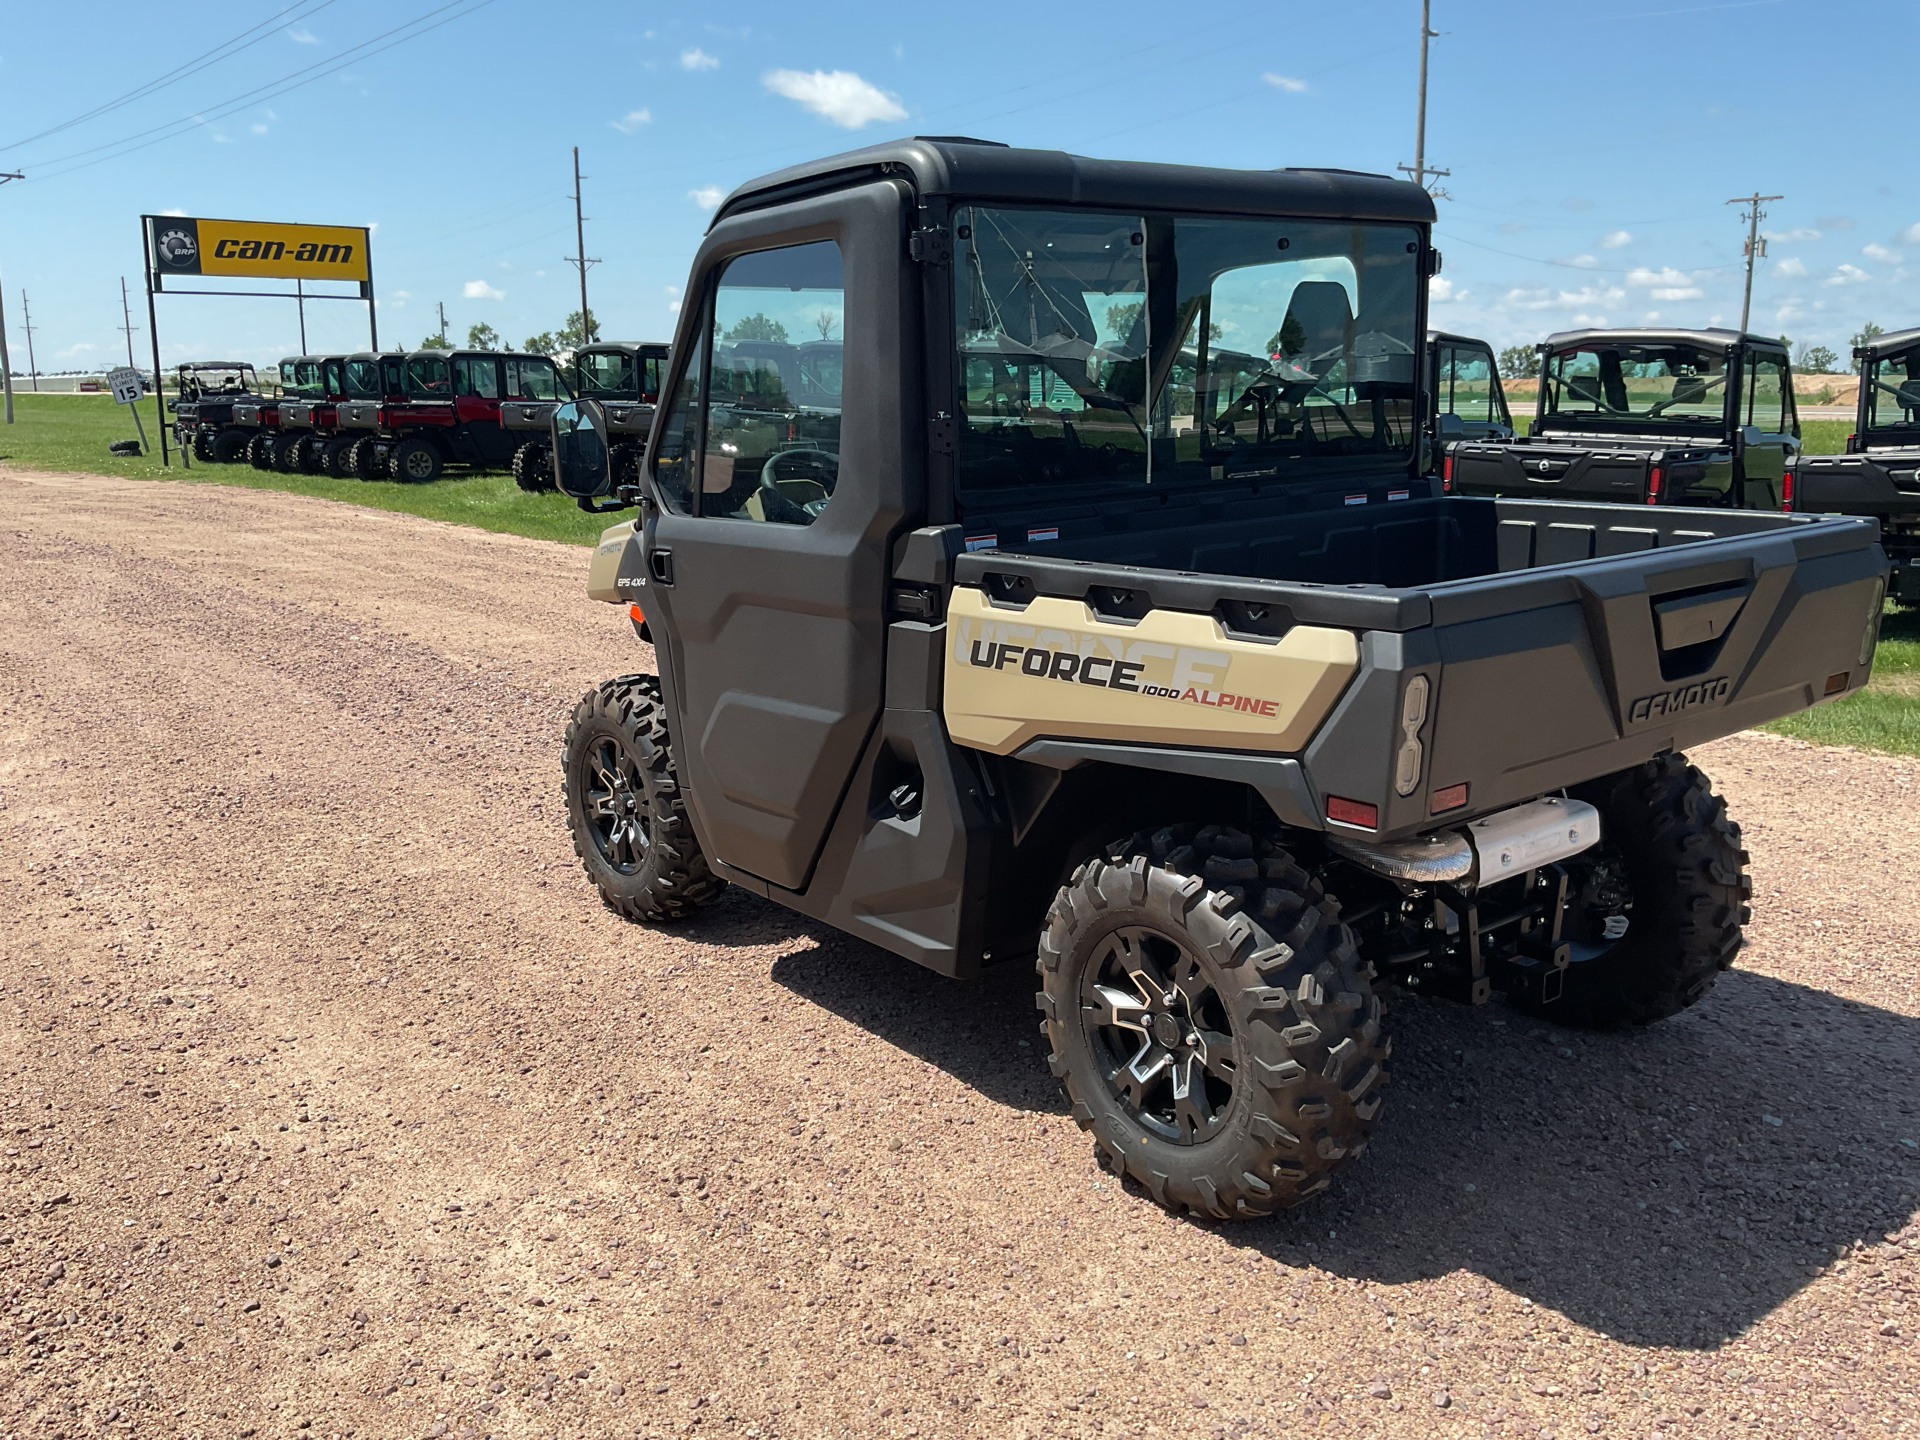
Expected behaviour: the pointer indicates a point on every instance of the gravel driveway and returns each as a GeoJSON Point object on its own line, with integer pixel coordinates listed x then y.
{"type": "Point", "coordinates": [335, 1104]}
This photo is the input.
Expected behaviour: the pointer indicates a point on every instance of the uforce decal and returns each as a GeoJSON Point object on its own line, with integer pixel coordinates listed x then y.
{"type": "Point", "coordinates": [1142, 667]}
{"type": "Point", "coordinates": [1687, 697]}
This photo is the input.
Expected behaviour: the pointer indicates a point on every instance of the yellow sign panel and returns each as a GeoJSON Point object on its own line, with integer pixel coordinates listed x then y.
{"type": "Point", "coordinates": [257, 249]}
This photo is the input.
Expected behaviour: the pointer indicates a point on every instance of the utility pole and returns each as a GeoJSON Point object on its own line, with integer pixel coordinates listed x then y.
{"type": "Point", "coordinates": [443, 321]}
{"type": "Point", "coordinates": [300, 296]}
{"type": "Point", "coordinates": [126, 315]}
{"type": "Point", "coordinates": [26, 324]}
{"type": "Point", "coordinates": [579, 257]}
{"type": "Point", "coordinates": [1418, 170]}
{"type": "Point", "coordinates": [6, 365]}
{"type": "Point", "coordinates": [1756, 247]}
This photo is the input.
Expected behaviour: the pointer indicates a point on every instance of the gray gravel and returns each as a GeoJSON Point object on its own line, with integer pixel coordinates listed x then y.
{"type": "Point", "coordinates": [297, 965]}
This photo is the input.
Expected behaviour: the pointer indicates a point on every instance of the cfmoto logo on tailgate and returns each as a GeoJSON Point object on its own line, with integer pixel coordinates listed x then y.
{"type": "Point", "coordinates": [1687, 697]}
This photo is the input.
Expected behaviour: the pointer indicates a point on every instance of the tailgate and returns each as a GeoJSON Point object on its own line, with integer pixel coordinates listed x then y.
{"type": "Point", "coordinates": [1548, 472]}
{"type": "Point", "coordinates": [1544, 678]}
{"type": "Point", "coordinates": [1856, 485]}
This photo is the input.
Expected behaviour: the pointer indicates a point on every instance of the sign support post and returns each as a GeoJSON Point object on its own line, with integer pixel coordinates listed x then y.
{"type": "Point", "coordinates": [153, 330]}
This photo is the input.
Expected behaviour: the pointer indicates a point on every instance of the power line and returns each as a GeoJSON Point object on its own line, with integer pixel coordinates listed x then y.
{"type": "Point", "coordinates": [26, 324]}
{"type": "Point", "coordinates": [126, 316]}
{"type": "Point", "coordinates": [226, 49]}
{"type": "Point", "coordinates": [1418, 171]}
{"type": "Point", "coordinates": [366, 50]}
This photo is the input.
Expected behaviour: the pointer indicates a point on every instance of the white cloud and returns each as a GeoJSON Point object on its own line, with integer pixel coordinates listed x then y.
{"type": "Point", "coordinates": [707, 197]}
{"type": "Point", "coordinates": [1677, 292]}
{"type": "Point", "coordinates": [837, 95]}
{"type": "Point", "coordinates": [1847, 275]}
{"type": "Point", "coordinates": [1649, 317]}
{"type": "Point", "coordinates": [259, 129]}
{"type": "Point", "coordinates": [1792, 265]}
{"type": "Point", "coordinates": [1585, 262]}
{"type": "Point", "coordinates": [1613, 240]}
{"type": "Point", "coordinates": [303, 37]}
{"type": "Point", "coordinates": [1910, 235]}
{"type": "Point", "coordinates": [1804, 232]}
{"type": "Point", "coordinates": [79, 349]}
{"type": "Point", "coordinates": [173, 212]}
{"type": "Point", "coordinates": [632, 121]}
{"type": "Point", "coordinates": [1881, 253]}
{"type": "Point", "coordinates": [1284, 82]}
{"type": "Point", "coordinates": [1439, 288]}
{"type": "Point", "coordinates": [697, 59]}
{"type": "Point", "coordinates": [481, 290]}
{"type": "Point", "coordinates": [373, 227]}
{"type": "Point", "coordinates": [1640, 276]}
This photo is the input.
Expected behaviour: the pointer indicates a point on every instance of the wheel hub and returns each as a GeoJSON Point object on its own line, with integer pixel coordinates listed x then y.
{"type": "Point", "coordinates": [1169, 1031]}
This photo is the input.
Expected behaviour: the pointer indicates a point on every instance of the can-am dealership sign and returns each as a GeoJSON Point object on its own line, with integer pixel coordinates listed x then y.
{"type": "Point", "coordinates": [257, 249]}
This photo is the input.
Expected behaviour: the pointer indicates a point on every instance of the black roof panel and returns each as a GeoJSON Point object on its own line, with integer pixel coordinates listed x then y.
{"type": "Point", "coordinates": [1889, 340]}
{"type": "Point", "coordinates": [984, 170]}
{"type": "Point", "coordinates": [1710, 338]}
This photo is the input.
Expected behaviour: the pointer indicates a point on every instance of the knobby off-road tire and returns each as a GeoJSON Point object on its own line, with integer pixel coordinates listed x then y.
{"type": "Point", "coordinates": [625, 809]}
{"type": "Point", "coordinates": [203, 447]}
{"type": "Point", "coordinates": [1687, 875]}
{"type": "Point", "coordinates": [335, 459]}
{"type": "Point", "coordinates": [286, 453]}
{"type": "Point", "coordinates": [532, 468]}
{"type": "Point", "coordinates": [363, 458]}
{"type": "Point", "coordinates": [1212, 1022]}
{"type": "Point", "coordinates": [415, 462]}
{"type": "Point", "coordinates": [260, 451]}
{"type": "Point", "coordinates": [229, 446]}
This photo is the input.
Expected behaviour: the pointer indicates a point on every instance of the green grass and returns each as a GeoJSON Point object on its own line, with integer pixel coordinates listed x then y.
{"type": "Point", "coordinates": [1825, 437]}
{"type": "Point", "coordinates": [1883, 716]}
{"type": "Point", "coordinates": [72, 432]}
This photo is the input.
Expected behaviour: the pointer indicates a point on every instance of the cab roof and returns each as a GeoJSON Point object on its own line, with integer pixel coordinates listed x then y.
{"type": "Point", "coordinates": [214, 365]}
{"type": "Point", "coordinates": [962, 168]}
{"type": "Point", "coordinates": [1888, 340]}
{"type": "Point", "coordinates": [1712, 339]}
{"type": "Point", "coordinates": [627, 346]}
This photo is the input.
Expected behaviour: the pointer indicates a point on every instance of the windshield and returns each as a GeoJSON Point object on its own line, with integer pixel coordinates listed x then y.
{"type": "Point", "coordinates": [300, 379]}
{"type": "Point", "coordinates": [427, 378]}
{"type": "Point", "coordinates": [363, 380]}
{"type": "Point", "coordinates": [1893, 390]}
{"type": "Point", "coordinates": [1106, 350]}
{"type": "Point", "coordinates": [609, 373]}
{"type": "Point", "coordinates": [1663, 381]}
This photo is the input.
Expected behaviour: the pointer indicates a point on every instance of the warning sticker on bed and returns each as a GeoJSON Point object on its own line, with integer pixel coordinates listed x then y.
{"type": "Point", "coordinates": [981, 542]}
{"type": "Point", "coordinates": [1043, 532]}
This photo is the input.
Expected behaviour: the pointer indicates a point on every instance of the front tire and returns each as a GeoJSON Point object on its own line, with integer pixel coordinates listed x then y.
{"type": "Point", "coordinates": [1686, 878]}
{"type": "Point", "coordinates": [229, 446]}
{"type": "Point", "coordinates": [414, 462]}
{"type": "Point", "coordinates": [1212, 1021]}
{"type": "Point", "coordinates": [363, 458]}
{"type": "Point", "coordinates": [286, 453]}
{"type": "Point", "coordinates": [336, 458]}
{"type": "Point", "coordinates": [260, 451]}
{"type": "Point", "coordinates": [203, 447]}
{"type": "Point", "coordinates": [625, 809]}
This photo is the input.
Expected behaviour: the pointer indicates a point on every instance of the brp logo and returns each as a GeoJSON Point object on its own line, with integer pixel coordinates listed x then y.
{"type": "Point", "coordinates": [178, 249]}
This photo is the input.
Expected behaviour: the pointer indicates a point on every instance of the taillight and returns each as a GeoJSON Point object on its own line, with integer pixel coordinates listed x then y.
{"type": "Point", "coordinates": [1656, 477]}
{"type": "Point", "coordinates": [1446, 471]}
{"type": "Point", "coordinates": [1786, 491]}
{"type": "Point", "coordinates": [1353, 812]}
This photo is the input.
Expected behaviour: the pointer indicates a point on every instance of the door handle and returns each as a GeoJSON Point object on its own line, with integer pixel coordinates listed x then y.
{"type": "Point", "coordinates": [660, 566]}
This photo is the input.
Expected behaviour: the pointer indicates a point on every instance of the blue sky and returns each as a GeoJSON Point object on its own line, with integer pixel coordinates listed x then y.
{"type": "Point", "coordinates": [1591, 147]}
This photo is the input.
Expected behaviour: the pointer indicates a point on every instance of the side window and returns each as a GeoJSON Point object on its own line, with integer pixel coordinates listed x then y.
{"type": "Point", "coordinates": [771, 442]}
{"type": "Point", "coordinates": [650, 378]}
{"type": "Point", "coordinates": [532, 379]}
{"type": "Point", "coordinates": [477, 375]}
{"type": "Point", "coordinates": [1466, 384]}
{"type": "Point", "coordinates": [678, 448]}
{"type": "Point", "coordinates": [1767, 405]}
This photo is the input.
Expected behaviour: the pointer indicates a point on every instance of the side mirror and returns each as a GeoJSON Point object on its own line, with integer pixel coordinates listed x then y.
{"type": "Point", "coordinates": [580, 467]}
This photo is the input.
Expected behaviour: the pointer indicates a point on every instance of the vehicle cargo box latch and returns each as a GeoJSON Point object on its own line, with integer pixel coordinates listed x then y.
{"type": "Point", "coordinates": [1695, 619]}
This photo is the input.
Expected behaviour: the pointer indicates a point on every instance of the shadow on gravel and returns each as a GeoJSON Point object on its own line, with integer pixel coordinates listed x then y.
{"type": "Point", "coordinates": [1668, 1186]}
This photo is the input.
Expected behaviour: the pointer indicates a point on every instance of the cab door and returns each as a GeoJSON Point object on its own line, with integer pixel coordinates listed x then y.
{"type": "Point", "coordinates": [766, 555]}
{"type": "Point", "coordinates": [1769, 434]}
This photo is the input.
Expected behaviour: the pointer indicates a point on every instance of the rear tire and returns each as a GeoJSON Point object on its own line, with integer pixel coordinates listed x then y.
{"type": "Point", "coordinates": [229, 446]}
{"type": "Point", "coordinates": [532, 467]}
{"type": "Point", "coordinates": [1211, 1020]}
{"type": "Point", "coordinates": [336, 456]}
{"type": "Point", "coordinates": [625, 809]}
{"type": "Point", "coordinates": [286, 453]}
{"type": "Point", "coordinates": [415, 462]}
{"type": "Point", "coordinates": [1687, 877]}
{"type": "Point", "coordinates": [363, 458]}
{"type": "Point", "coordinates": [313, 455]}
{"type": "Point", "coordinates": [260, 451]}
{"type": "Point", "coordinates": [203, 447]}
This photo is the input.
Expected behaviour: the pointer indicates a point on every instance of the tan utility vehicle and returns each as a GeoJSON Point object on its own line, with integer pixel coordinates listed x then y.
{"type": "Point", "coordinates": [1039, 565]}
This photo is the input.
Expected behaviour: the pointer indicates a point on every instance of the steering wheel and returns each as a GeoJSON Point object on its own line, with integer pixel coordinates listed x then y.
{"type": "Point", "coordinates": [820, 469]}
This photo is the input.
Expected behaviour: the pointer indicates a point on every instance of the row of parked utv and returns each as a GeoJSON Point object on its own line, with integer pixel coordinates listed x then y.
{"type": "Point", "coordinates": [408, 417]}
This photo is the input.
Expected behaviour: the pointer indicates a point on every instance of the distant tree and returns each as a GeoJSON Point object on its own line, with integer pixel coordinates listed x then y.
{"type": "Point", "coordinates": [571, 336]}
{"type": "Point", "coordinates": [1519, 362]}
{"type": "Point", "coordinates": [1289, 339]}
{"type": "Point", "coordinates": [826, 322]}
{"type": "Point", "coordinates": [1815, 359]}
{"type": "Point", "coordinates": [1867, 332]}
{"type": "Point", "coordinates": [758, 327]}
{"type": "Point", "coordinates": [541, 344]}
{"type": "Point", "coordinates": [483, 337]}
{"type": "Point", "coordinates": [435, 341]}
